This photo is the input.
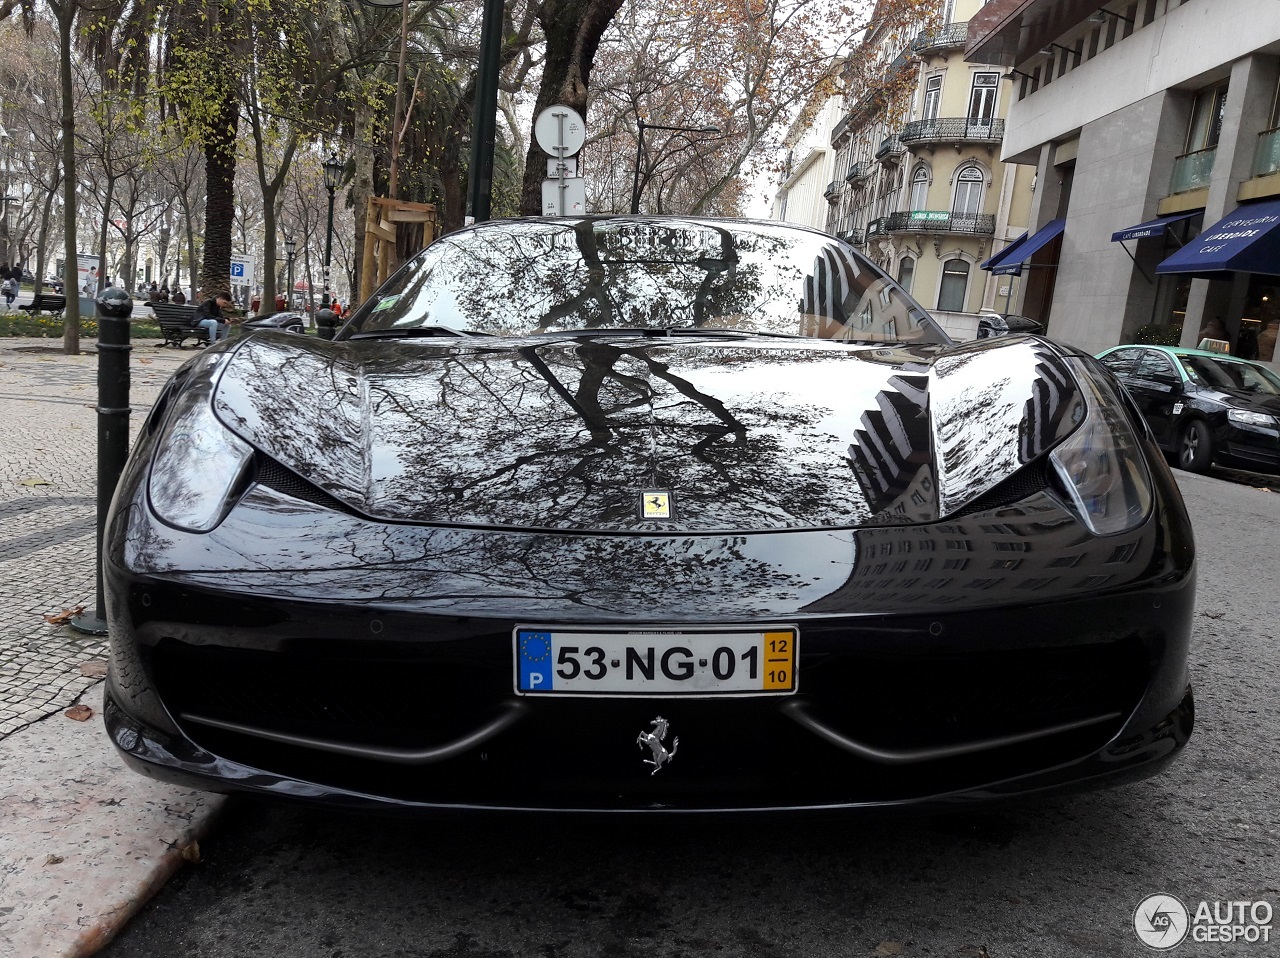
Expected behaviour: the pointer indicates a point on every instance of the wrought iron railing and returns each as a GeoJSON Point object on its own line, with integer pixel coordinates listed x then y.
{"type": "Point", "coordinates": [952, 35]}
{"type": "Point", "coordinates": [832, 191]}
{"type": "Point", "coordinates": [890, 148]}
{"type": "Point", "coordinates": [853, 237]}
{"type": "Point", "coordinates": [953, 129]}
{"type": "Point", "coordinates": [1191, 171]}
{"type": "Point", "coordinates": [941, 221]}
{"type": "Point", "coordinates": [858, 171]}
{"type": "Point", "coordinates": [878, 227]}
{"type": "Point", "coordinates": [1266, 159]}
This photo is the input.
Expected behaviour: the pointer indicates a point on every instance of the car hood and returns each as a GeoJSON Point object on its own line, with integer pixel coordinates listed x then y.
{"type": "Point", "coordinates": [1244, 399]}
{"type": "Point", "coordinates": [571, 433]}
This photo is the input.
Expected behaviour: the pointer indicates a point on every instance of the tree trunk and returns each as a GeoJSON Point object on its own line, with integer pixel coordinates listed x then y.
{"type": "Point", "coordinates": [220, 198]}
{"type": "Point", "coordinates": [44, 238]}
{"type": "Point", "coordinates": [65, 10]}
{"type": "Point", "coordinates": [573, 29]}
{"type": "Point", "coordinates": [361, 186]}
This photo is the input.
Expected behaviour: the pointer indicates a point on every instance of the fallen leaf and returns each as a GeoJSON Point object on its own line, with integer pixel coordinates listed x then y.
{"type": "Point", "coordinates": [63, 617]}
{"type": "Point", "coordinates": [889, 948]}
{"type": "Point", "coordinates": [79, 713]}
{"type": "Point", "coordinates": [34, 482]}
{"type": "Point", "coordinates": [191, 853]}
{"type": "Point", "coordinates": [145, 362]}
{"type": "Point", "coordinates": [54, 860]}
{"type": "Point", "coordinates": [94, 669]}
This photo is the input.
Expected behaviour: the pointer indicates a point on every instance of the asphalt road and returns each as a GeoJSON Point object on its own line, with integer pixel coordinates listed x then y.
{"type": "Point", "coordinates": [1057, 877]}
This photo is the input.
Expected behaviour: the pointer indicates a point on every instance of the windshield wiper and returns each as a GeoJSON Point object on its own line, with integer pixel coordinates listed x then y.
{"type": "Point", "coordinates": [414, 332]}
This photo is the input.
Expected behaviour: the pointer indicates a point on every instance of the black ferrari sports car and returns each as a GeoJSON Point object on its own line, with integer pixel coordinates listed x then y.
{"type": "Point", "coordinates": [646, 514]}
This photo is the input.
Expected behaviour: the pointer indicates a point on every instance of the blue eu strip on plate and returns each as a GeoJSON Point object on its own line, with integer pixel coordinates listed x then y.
{"type": "Point", "coordinates": [536, 662]}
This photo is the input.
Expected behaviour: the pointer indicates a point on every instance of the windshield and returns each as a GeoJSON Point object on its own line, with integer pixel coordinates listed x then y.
{"type": "Point", "coordinates": [525, 277]}
{"type": "Point", "coordinates": [1231, 374]}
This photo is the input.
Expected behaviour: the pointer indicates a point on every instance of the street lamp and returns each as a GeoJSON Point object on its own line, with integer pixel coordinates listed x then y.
{"type": "Point", "coordinates": [332, 171]}
{"type": "Point", "coordinates": [290, 251]}
{"type": "Point", "coordinates": [635, 180]}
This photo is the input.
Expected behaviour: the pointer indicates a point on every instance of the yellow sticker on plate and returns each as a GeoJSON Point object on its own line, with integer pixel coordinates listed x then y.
{"type": "Point", "coordinates": [779, 659]}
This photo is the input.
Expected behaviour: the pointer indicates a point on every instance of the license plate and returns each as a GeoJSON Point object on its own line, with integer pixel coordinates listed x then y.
{"type": "Point", "coordinates": [635, 662]}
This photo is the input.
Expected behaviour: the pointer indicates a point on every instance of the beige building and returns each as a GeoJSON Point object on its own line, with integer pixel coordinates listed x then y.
{"type": "Point", "coordinates": [917, 183]}
{"type": "Point", "coordinates": [1153, 127]}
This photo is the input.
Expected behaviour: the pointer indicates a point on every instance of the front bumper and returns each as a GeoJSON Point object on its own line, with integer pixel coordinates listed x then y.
{"type": "Point", "coordinates": [376, 671]}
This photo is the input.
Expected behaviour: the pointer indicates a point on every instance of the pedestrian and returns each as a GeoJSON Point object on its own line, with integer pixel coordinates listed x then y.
{"type": "Point", "coordinates": [281, 303]}
{"type": "Point", "coordinates": [153, 294]}
{"type": "Point", "coordinates": [257, 302]}
{"type": "Point", "coordinates": [10, 289]}
{"type": "Point", "coordinates": [179, 296]}
{"type": "Point", "coordinates": [210, 316]}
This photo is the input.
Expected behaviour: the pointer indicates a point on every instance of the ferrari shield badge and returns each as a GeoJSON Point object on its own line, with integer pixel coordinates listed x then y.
{"type": "Point", "coordinates": [655, 504]}
{"type": "Point", "coordinates": [655, 741]}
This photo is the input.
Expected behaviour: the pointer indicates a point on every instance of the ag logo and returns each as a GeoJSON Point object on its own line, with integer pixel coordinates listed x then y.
{"type": "Point", "coordinates": [1161, 921]}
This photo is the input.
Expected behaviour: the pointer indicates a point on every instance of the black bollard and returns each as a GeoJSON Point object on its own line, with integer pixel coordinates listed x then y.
{"type": "Point", "coordinates": [326, 323]}
{"type": "Point", "coordinates": [114, 307]}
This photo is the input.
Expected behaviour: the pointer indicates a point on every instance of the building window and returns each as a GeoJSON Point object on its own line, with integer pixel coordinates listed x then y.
{"type": "Point", "coordinates": [968, 201]}
{"type": "Point", "coordinates": [955, 283]}
{"type": "Point", "coordinates": [982, 99]}
{"type": "Point", "coordinates": [1206, 118]}
{"type": "Point", "coordinates": [906, 272]}
{"type": "Point", "coordinates": [932, 97]}
{"type": "Point", "coordinates": [920, 189]}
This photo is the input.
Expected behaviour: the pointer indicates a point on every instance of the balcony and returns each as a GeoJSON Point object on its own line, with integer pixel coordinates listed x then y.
{"type": "Point", "coordinates": [858, 172]}
{"type": "Point", "coordinates": [955, 130]}
{"type": "Point", "coordinates": [1191, 171]}
{"type": "Point", "coordinates": [841, 129]}
{"type": "Point", "coordinates": [832, 192]}
{"type": "Point", "coordinates": [878, 227]}
{"type": "Point", "coordinates": [943, 38]}
{"type": "Point", "coordinates": [942, 221]}
{"type": "Point", "coordinates": [853, 237]}
{"type": "Point", "coordinates": [1266, 158]}
{"type": "Point", "coordinates": [891, 149]}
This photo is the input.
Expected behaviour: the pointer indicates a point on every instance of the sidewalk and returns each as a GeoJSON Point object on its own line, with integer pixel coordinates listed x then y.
{"type": "Point", "coordinates": [83, 841]}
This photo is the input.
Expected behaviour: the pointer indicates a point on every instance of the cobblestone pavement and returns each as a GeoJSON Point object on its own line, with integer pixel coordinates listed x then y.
{"type": "Point", "coordinates": [48, 489]}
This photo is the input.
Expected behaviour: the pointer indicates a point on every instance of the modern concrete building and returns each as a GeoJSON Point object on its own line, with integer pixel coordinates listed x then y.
{"type": "Point", "coordinates": [809, 163]}
{"type": "Point", "coordinates": [1152, 129]}
{"type": "Point", "coordinates": [917, 182]}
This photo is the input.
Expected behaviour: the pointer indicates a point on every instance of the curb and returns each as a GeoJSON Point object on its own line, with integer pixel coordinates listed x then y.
{"type": "Point", "coordinates": [84, 841]}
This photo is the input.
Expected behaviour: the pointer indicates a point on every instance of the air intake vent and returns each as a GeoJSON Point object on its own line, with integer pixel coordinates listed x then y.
{"type": "Point", "coordinates": [269, 473]}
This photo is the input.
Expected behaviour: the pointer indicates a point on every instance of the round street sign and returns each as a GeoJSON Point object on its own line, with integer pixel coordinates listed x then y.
{"type": "Point", "coordinates": [560, 127]}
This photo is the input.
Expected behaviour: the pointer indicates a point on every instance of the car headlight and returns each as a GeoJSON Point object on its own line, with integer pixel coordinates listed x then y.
{"type": "Point", "coordinates": [197, 466]}
{"type": "Point", "coordinates": [1247, 417]}
{"type": "Point", "coordinates": [1101, 464]}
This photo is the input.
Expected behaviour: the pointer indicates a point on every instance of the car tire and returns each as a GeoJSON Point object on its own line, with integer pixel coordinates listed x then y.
{"type": "Point", "coordinates": [1195, 447]}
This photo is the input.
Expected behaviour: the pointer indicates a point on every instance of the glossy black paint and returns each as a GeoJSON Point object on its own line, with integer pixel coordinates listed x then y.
{"type": "Point", "coordinates": [1171, 402]}
{"type": "Point", "coordinates": [344, 633]}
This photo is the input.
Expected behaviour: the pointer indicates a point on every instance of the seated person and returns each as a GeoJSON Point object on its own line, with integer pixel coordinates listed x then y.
{"type": "Point", "coordinates": [210, 316]}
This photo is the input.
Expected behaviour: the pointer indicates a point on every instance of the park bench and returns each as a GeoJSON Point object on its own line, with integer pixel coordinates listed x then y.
{"type": "Point", "coordinates": [177, 323]}
{"type": "Point", "coordinates": [45, 303]}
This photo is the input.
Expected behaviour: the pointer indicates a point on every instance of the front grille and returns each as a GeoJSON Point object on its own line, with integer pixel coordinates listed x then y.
{"type": "Point", "coordinates": [567, 752]}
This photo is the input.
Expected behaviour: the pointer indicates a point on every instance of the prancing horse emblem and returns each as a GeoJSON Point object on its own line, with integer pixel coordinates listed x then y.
{"type": "Point", "coordinates": [654, 740]}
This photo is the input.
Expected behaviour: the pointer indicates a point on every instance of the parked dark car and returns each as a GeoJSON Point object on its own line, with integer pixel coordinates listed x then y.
{"type": "Point", "coordinates": [646, 515]}
{"type": "Point", "coordinates": [54, 285]}
{"type": "Point", "coordinates": [289, 321]}
{"type": "Point", "coordinates": [1204, 407]}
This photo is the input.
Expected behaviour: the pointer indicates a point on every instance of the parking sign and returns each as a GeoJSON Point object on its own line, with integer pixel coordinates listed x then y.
{"type": "Point", "coordinates": [241, 270]}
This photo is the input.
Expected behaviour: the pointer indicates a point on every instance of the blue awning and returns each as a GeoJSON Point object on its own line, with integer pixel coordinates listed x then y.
{"type": "Point", "coordinates": [1012, 265]}
{"type": "Point", "coordinates": [1005, 253]}
{"type": "Point", "coordinates": [1150, 227]}
{"type": "Point", "coordinates": [1247, 241]}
